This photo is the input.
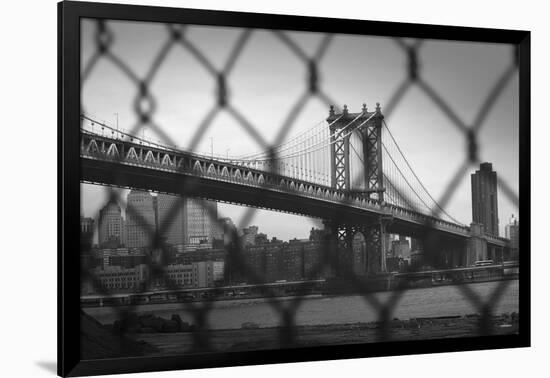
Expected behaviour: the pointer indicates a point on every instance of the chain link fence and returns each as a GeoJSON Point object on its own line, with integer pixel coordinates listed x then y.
{"type": "Point", "coordinates": [145, 106]}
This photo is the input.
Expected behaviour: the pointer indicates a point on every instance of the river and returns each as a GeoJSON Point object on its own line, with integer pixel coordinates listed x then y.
{"type": "Point", "coordinates": [319, 310]}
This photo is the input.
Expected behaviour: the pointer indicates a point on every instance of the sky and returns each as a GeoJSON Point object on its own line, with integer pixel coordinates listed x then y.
{"type": "Point", "coordinates": [268, 78]}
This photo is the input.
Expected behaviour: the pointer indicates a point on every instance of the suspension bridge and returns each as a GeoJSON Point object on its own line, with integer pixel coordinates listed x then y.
{"type": "Point", "coordinates": [347, 170]}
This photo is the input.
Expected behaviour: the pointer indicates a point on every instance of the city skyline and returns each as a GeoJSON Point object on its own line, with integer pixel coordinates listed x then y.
{"type": "Point", "coordinates": [191, 224]}
{"type": "Point", "coordinates": [350, 75]}
{"type": "Point", "coordinates": [170, 233]}
{"type": "Point", "coordinates": [282, 231]}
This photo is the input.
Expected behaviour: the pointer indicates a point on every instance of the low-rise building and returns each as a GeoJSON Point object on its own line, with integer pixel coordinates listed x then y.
{"type": "Point", "coordinates": [199, 274]}
{"type": "Point", "coordinates": [113, 279]}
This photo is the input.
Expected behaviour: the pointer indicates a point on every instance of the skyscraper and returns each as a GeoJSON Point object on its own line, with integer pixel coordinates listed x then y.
{"type": "Point", "coordinates": [171, 219]}
{"type": "Point", "coordinates": [484, 198]}
{"type": "Point", "coordinates": [187, 221]}
{"type": "Point", "coordinates": [140, 219]}
{"type": "Point", "coordinates": [201, 217]}
{"type": "Point", "coordinates": [111, 226]}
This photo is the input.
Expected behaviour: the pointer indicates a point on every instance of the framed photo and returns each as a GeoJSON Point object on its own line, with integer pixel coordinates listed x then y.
{"type": "Point", "coordinates": [239, 188]}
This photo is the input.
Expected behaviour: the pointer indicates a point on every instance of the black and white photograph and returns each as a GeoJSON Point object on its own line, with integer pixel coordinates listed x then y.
{"type": "Point", "coordinates": [273, 189]}
{"type": "Point", "coordinates": [248, 189]}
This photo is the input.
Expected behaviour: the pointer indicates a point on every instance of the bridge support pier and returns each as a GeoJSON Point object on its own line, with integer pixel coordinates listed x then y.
{"type": "Point", "coordinates": [360, 256]}
{"type": "Point", "coordinates": [375, 235]}
{"type": "Point", "coordinates": [496, 254]}
{"type": "Point", "coordinates": [476, 249]}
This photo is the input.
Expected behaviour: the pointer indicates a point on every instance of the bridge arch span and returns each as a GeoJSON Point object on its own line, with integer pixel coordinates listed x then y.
{"type": "Point", "coordinates": [225, 172]}
{"type": "Point", "coordinates": [197, 166]}
{"type": "Point", "coordinates": [211, 170]}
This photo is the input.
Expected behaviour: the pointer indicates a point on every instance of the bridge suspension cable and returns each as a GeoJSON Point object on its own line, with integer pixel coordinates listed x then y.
{"type": "Point", "coordinates": [319, 126]}
{"type": "Point", "coordinates": [392, 183]}
{"type": "Point", "coordinates": [422, 186]}
{"type": "Point", "coordinates": [403, 186]}
{"type": "Point", "coordinates": [322, 144]}
{"type": "Point", "coordinates": [294, 142]}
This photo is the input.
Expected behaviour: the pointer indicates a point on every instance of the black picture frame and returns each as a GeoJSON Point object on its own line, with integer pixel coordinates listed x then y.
{"type": "Point", "coordinates": [69, 15]}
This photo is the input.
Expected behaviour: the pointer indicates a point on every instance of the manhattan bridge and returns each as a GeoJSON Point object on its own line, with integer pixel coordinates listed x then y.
{"type": "Point", "coordinates": [347, 170]}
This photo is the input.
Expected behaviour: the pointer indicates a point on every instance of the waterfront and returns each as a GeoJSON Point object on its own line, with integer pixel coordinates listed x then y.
{"type": "Point", "coordinates": [324, 310]}
{"type": "Point", "coordinates": [232, 340]}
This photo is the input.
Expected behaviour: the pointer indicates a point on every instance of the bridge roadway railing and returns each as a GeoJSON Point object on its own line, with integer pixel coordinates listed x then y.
{"type": "Point", "coordinates": [423, 219]}
{"type": "Point", "coordinates": [160, 157]}
{"type": "Point", "coordinates": [497, 240]}
{"type": "Point", "coordinates": [155, 156]}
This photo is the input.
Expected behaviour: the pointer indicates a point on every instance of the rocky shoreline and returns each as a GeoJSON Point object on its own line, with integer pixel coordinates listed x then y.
{"type": "Point", "coordinates": [149, 323]}
{"type": "Point", "coordinates": [149, 335]}
{"type": "Point", "coordinates": [98, 341]}
{"type": "Point", "coordinates": [252, 337]}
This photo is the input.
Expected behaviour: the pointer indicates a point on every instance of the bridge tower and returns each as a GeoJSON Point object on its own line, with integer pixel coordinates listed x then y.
{"type": "Point", "coordinates": [368, 126]}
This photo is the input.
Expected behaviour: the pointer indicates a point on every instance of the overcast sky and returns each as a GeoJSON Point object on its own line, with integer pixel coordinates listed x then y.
{"type": "Point", "coordinates": [267, 80]}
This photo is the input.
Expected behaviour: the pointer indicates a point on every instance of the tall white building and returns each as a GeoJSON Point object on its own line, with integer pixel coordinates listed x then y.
{"type": "Point", "coordinates": [201, 218]}
{"type": "Point", "coordinates": [140, 219]}
{"type": "Point", "coordinates": [189, 222]}
{"type": "Point", "coordinates": [111, 225]}
{"type": "Point", "coordinates": [171, 219]}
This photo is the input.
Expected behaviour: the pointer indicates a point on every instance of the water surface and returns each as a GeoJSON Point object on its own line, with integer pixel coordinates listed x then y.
{"type": "Point", "coordinates": [318, 310]}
